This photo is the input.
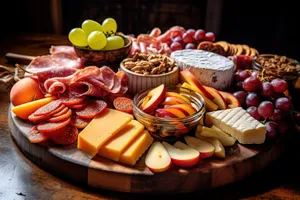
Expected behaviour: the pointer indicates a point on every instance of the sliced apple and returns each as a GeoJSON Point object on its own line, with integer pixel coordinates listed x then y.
{"type": "Point", "coordinates": [205, 148]}
{"type": "Point", "coordinates": [232, 101]}
{"type": "Point", "coordinates": [181, 154]}
{"type": "Point", "coordinates": [219, 148]}
{"type": "Point", "coordinates": [153, 98]}
{"type": "Point", "coordinates": [224, 138]}
{"type": "Point", "coordinates": [187, 76]}
{"type": "Point", "coordinates": [180, 126]}
{"type": "Point", "coordinates": [187, 108]}
{"type": "Point", "coordinates": [174, 94]}
{"type": "Point", "coordinates": [169, 113]}
{"type": "Point", "coordinates": [209, 104]}
{"type": "Point", "coordinates": [218, 98]}
{"type": "Point", "coordinates": [157, 158]}
{"type": "Point", "coordinates": [173, 101]}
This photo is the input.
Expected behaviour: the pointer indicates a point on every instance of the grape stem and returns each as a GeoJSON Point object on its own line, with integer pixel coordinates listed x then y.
{"type": "Point", "coordinates": [21, 68]}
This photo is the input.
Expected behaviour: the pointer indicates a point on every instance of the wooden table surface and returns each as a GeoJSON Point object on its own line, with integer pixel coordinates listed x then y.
{"type": "Point", "coordinates": [22, 179]}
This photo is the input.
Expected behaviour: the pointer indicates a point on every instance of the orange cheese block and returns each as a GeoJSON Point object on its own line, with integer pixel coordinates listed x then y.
{"type": "Point", "coordinates": [136, 150]}
{"type": "Point", "coordinates": [101, 129]}
{"type": "Point", "coordinates": [115, 146]}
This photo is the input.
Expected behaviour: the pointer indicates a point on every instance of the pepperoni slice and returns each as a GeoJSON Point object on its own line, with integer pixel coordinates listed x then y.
{"type": "Point", "coordinates": [61, 117]}
{"type": "Point", "coordinates": [65, 135]}
{"type": "Point", "coordinates": [52, 126]}
{"type": "Point", "coordinates": [33, 118]}
{"type": "Point", "coordinates": [48, 108]}
{"type": "Point", "coordinates": [123, 104]}
{"type": "Point", "coordinates": [70, 99]}
{"type": "Point", "coordinates": [79, 122]}
{"type": "Point", "coordinates": [60, 108]}
{"type": "Point", "coordinates": [78, 106]}
{"type": "Point", "coordinates": [34, 136]}
{"type": "Point", "coordinates": [63, 111]}
{"type": "Point", "coordinates": [92, 109]}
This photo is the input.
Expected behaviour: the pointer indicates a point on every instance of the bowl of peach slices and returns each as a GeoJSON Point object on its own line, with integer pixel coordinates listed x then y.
{"type": "Point", "coordinates": [168, 111]}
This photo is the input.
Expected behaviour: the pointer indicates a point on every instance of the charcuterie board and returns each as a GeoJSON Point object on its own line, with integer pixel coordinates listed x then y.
{"type": "Point", "coordinates": [71, 164]}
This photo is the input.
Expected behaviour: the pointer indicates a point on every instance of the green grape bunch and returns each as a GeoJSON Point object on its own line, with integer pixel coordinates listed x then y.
{"type": "Point", "coordinates": [97, 36]}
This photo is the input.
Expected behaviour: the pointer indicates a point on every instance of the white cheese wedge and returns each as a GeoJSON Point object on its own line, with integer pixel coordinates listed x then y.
{"type": "Point", "coordinates": [209, 68]}
{"type": "Point", "coordinates": [239, 124]}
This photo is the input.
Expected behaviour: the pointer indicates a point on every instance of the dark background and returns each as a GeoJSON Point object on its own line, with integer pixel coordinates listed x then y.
{"type": "Point", "coordinates": [269, 26]}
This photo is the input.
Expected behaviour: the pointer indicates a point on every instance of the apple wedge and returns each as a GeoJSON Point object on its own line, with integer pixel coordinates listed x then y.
{"type": "Point", "coordinates": [169, 113]}
{"type": "Point", "coordinates": [205, 148]}
{"type": "Point", "coordinates": [173, 101]}
{"type": "Point", "coordinates": [218, 98]}
{"type": "Point", "coordinates": [153, 98]}
{"type": "Point", "coordinates": [174, 94]}
{"type": "Point", "coordinates": [219, 148]}
{"type": "Point", "coordinates": [224, 138]}
{"type": "Point", "coordinates": [231, 101]}
{"type": "Point", "coordinates": [209, 104]}
{"type": "Point", "coordinates": [187, 76]}
{"type": "Point", "coordinates": [190, 110]}
{"type": "Point", "coordinates": [181, 154]}
{"type": "Point", "coordinates": [157, 158]}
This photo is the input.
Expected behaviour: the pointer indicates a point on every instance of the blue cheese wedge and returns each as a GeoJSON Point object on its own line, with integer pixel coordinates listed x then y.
{"type": "Point", "coordinates": [239, 124]}
{"type": "Point", "coordinates": [209, 68]}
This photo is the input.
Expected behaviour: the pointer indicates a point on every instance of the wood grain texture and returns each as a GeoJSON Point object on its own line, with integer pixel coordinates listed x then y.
{"type": "Point", "coordinates": [70, 162]}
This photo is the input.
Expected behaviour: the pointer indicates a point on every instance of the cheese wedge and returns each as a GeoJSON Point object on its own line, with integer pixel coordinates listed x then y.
{"type": "Point", "coordinates": [115, 146]}
{"type": "Point", "coordinates": [239, 124]}
{"type": "Point", "coordinates": [101, 129]}
{"type": "Point", "coordinates": [136, 150]}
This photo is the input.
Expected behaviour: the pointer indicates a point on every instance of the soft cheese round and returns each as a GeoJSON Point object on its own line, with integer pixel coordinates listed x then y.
{"type": "Point", "coordinates": [209, 68]}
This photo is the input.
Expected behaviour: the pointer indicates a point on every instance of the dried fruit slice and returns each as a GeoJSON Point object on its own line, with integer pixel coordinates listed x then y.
{"type": "Point", "coordinates": [95, 107]}
{"type": "Point", "coordinates": [48, 127]}
{"type": "Point", "coordinates": [34, 136]}
{"type": "Point", "coordinates": [70, 99]}
{"type": "Point", "coordinates": [61, 117]}
{"type": "Point", "coordinates": [48, 108]}
{"type": "Point", "coordinates": [63, 111]}
{"type": "Point", "coordinates": [65, 135]}
{"type": "Point", "coordinates": [79, 122]}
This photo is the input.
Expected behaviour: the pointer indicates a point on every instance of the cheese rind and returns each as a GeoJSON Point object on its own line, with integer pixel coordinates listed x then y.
{"type": "Point", "coordinates": [113, 148]}
{"type": "Point", "coordinates": [101, 129]}
{"type": "Point", "coordinates": [239, 124]}
{"type": "Point", "coordinates": [136, 149]}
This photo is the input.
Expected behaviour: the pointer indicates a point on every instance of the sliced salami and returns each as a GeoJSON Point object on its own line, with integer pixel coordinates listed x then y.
{"type": "Point", "coordinates": [66, 60]}
{"type": "Point", "coordinates": [85, 73]}
{"type": "Point", "coordinates": [48, 127]}
{"type": "Point", "coordinates": [124, 81]}
{"type": "Point", "coordinates": [63, 111]}
{"type": "Point", "coordinates": [70, 99]}
{"type": "Point", "coordinates": [48, 108]}
{"type": "Point", "coordinates": [61, 117]}
{"type": "Point", "coordinates": [79, 122]}
{"type": "Point", "coordinates": [35, 119]}
{"type": "Point", "coordinates": [108, 77]}
{"type": "Point", "coordinates": [86, 88]}
{"type": "Point", "coordinates": [65, 135]}
{"type": "Point", "coordinates": [63, 48]}
{"type": "Point", "coordinates": [60, 108]}
{"type": "Point", "coordinates": [94, 108]}
{"type": "Point", "coordinates": [57, 85]}
{"type": "Point", "coordinates": [34, 136]}
{"type": "Point", "coordinates": [78, 106]}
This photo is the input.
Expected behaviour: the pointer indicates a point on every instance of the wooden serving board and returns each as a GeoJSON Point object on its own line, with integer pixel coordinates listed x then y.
{"type": "Point", "coordinates": [70, 163]}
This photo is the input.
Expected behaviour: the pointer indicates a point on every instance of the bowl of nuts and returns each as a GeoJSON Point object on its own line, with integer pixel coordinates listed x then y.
{"type": "Point", "coordinates": [145, 71]}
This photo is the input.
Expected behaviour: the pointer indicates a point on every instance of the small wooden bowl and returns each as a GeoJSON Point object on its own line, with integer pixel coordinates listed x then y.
{"type": "Point", "coordinates": [139, 82]}
{"type": "Point", "coordinates": [110, 58]}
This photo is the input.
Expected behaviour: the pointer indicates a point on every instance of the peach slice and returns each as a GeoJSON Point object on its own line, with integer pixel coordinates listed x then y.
{"type": "Point", "coordinates": [173, 100]}
{"type": "Point", "coordinates": [219, 100]}
{"type": "Point", "coordinates": [190, 110]}
{"type": "Point", "coordinates": [169, 113]}
{"type": "Point", "coordinates": [174, 94]}
{"type": "Point", "coordinates": [157, 158]}
{"type": "Point", "coordinates": [181, 154]}
{"type": "Point", "coordinates": [232, 101]}
{"type": "Point", "coordinates": [205, 148]}
{"type": "Point", "coordinates": [187, 76]}
{"type": "Point", "coordinates": [153, 98]}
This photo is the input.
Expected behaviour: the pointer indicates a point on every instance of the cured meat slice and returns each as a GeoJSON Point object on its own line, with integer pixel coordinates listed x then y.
{"type": "Point", "coordinates": [85, 88]}
{"type": "Point", "coordinates": [85, 73]}
{"type": "Point", "coordinates": [77, 106]}
{"type": "Point", "coordinates": [35, 119]}
{"type": "Point", "coordinates": [124, 81]}
{"type": "Point", "coordinates": [34, 136]}
{"type": "Point", "coordinates": [67, 60]}
{"type": "Point", "coordinates": [108, 77]}
{"type": "Point", "coordinates": [60, 108]}
{"type": "Point", "coordinates": [65, 135]}
{"type": "Point", "coordinates": [48, 108]}
{"type": "Point", "coordinates": [63, 48]}
{"type": "Point", "coordinates": [48, 127]}
{"type": "Point", "coordinates": [95, 107]}
{"type": "Point", "coordinates": [79, 122]}
{"type": "Point", "coordinates": [57, 84]}
{"type": "Point", "coordinates": [63, 111]}
{"type": "Point", "coordinates": [155, 32]}
{"type": "Point", "coordinates": [69, 99]}
{"type": "Point", "coordinates": [61, 117]}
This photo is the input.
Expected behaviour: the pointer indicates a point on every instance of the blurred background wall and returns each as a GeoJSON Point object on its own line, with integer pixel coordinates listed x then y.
{"type": "Point", "coordinates": [270, 27]}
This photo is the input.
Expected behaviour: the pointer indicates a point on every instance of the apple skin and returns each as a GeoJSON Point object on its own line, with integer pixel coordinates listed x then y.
{"type": "Point", "coordinates": [190, 110]}
{"type": "Point", "coordinates": [205, 148]}
{"type": "Point", "coordinates": [219, 148]}
{"type": "Point", "coordinates": [232, 101]}
{"type": "Point", "coordinates": [182, 155]}
{"type": "Point", "coordinates": [187, 76]}
{"type": "Point", "coordinates": [169, 113]}
{"type": "Point", "coordinates": [180, 126]}
{"type": "Point", "coordinates": [219, 99]}
{"type": "Point", "coordinates": [174, 94]}
{"type": "Point", "coordinates": [173, 101]}
{"type": "Point", "coordinates": [157, 158]}
{"type": "Point", "coordinates": [153, 98]}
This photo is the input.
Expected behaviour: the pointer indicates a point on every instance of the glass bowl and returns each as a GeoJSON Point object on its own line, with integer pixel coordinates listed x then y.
{"type": "Point", "coordinates": [170, 129]}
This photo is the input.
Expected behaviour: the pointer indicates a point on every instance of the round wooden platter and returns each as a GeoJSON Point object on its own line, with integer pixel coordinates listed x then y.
{"type": "Point", "coordinates": [70, 163]}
